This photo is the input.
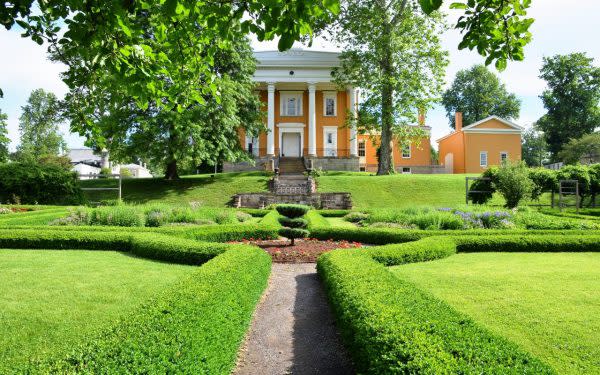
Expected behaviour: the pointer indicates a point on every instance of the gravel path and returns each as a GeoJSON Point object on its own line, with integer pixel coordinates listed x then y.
{"type": "Point", "coordinates": [293, 331]}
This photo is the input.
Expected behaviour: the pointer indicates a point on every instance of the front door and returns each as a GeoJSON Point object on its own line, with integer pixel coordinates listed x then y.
{"type": "Point", "coordinates": [290, 145]}
{"type": "Point", "coordinates": [330, 140]}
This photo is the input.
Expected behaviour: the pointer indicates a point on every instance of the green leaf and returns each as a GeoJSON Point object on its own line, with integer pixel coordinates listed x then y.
{"type": "Point", "coordinates": [430, 6]}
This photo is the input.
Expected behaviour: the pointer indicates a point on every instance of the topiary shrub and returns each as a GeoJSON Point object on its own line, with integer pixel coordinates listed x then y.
{"type": "Point", "coordinates": [293, 233]}
{"type": "Point", "coordinates": [292, 210]}
{"type": "Point", "coordinates": [292, 221]}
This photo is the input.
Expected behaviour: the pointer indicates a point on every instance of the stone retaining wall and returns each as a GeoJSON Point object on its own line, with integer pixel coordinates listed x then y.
{"type": "Point", "coordinates": [333, 163]}
{"type": "Point", "coordinates": [260, 164]}
{"type": "Point", "coordinates": [326, 201]}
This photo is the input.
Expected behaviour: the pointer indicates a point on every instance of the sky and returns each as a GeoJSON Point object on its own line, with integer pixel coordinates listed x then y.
{"type": "Point", "coordinates": [560, 27]}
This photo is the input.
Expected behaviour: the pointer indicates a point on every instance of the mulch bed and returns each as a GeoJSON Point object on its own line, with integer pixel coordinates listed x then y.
{"type": "Point", "coordinates": [303, 251]}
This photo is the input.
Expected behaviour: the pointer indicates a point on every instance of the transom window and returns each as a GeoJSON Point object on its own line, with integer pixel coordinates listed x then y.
{"type": "Point", "coordinates": [291, 104]}
{"type": "Point", "coordinates": [483, 160]}
{"type": "Point", "coordinates": [362, 148]}
{"type": "Point", "coordinates": [503, 157]}
{"type": "Point", "coordinates": [330, 104]}
{"type": "Point", "coordinates": [406, 150]}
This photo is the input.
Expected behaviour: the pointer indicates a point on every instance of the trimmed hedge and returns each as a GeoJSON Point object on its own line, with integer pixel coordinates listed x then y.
{"type": "Point", "coordinates": [391, 326]}
{"type": "Point", "coordinates": [293, 223]}
{"type": "Point", "coordinates": [194, 327]}
{"type": "Point", "coordinates": [292, 210]}
{"type": "Point", "coordinates": [316, 220]}
{"type": "Point", "coordinates": [333, 213]}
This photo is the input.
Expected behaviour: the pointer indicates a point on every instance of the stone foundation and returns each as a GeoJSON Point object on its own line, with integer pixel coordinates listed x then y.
{"type": "Point", "coordinates": [260, 164]}
{"type": "Point", "coordinates": [333, 163]}
{"type": "Point", "coordinates": [324, 201]}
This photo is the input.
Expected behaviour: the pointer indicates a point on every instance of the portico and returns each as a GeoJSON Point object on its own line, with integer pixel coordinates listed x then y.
{"type": "Point", "coordinates": [301, 101]}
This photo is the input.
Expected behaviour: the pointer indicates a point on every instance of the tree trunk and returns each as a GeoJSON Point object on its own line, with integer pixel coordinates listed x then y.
{"type": "Point", "coordinates": [171, 170]}
{"type": "Point", "coordinates": [386, 156]}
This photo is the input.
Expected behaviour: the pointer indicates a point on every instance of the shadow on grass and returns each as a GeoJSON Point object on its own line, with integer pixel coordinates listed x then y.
{"type": "Point", "coordinates": [316, 342]}
{"type": "Point", "coordinates": [144, 190]}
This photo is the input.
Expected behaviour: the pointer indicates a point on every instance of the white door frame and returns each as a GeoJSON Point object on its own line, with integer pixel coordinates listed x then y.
{"type": "Point", "coordinates": [326, 151]}
{"type": "Point", "coordinates": [255, 144]}
{"type": "Point", "coordinates": [291, 127]}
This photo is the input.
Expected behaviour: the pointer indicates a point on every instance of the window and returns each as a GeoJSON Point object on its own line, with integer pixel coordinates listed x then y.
{"type": "Point", "coordinates": [483, 162]}
{"type": "Point", "coordinates": [291, 104]}
{"type": "Point", "coordinates": [406, 150]}
{"type": "Point", "coordinates": [329, 138]}
{"type": "Point", "coordinates": [503, 157]}
{"type": "Point", "coordinates": [406, 170]}
{"type": "Point", "coordinates": [330, 104]}
{"type": "Point", "coordinates": [362, 148]}
{"type": "Point", "coordinates": [362, 169]}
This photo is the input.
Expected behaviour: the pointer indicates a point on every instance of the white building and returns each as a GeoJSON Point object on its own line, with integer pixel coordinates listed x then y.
{"type": "Point", "coordinates": [86, 162]}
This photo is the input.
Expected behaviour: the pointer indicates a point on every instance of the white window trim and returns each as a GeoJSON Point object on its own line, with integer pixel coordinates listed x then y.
{"type": "Point", "coordinates": [255, 144]}
{"type": "Point", "coordinates": [503, 153]}
{"type": "Point", "coordinates": [408, 172]}
{"type": "Point", "coordinates": [363, 143]}
{"type": "Point", "coordinates": [330, 95]}
{"type": "Point", "coordinates": [284, 96]}
{"type": "Point", "coordinates": [409, 151]}
{"type": "Point", "coordinates": [481, 153]}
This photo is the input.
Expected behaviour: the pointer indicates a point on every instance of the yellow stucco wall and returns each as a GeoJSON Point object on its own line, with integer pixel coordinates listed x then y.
{"type": "Point", "coordinates": [420, 155]}
{"type": "Point", "coordinates": [466, 147]}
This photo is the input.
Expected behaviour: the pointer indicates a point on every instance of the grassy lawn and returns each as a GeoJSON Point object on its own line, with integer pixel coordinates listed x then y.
{"type": "Point", "coordinates": [38, 217]}
{"type": "Point", "coordinates": [52, 300]}
{"type": "Point", "coordinates": [208, 191]}
{"type": "Point", "coordinates": [549, 304]}
{"type": "Point", "coordinates": [339, 222]}
{"type": "Point", "coordinates": [397, 191]}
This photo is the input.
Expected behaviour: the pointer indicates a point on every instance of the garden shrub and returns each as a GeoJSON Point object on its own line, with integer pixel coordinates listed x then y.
{"type": "Point", "coordinates": [293, 223]}
{"type": "Point", "coordinates": [333, 213]}
{"type": "Point", "coordinates": [487, 187]}
{"type": "Point", "coordinates": [118, 216]}
{"type": "Point", "coordinates": [315, 219]}
{"type": "Point", "coordinates": [391, 326]}
{"type": "Point", "coordinates": [195, 326]}
{"type": "Point", "coordinates": [242, 216]}
{"type": "Point", "coordinates": [576, 172]}
{"type": "Point", "coordinates": [271, 220]}
{"type": "Point", "coordinates": [544, 180]}
{"type": "Point", "coordinates": [291, 213]}
{"type": "Point", "coordinates": [513, 183]}
{"type": "Point", "coordinates": [255, 212]}
{"type": "Point", "coordinates": [292, 210]}
{"type": "Point", "coordinates": [38, 184]}
{"type": "Point", "coordinates": [356, 217]}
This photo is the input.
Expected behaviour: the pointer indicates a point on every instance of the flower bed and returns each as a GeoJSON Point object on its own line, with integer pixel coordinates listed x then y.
{"type": "Point", "coordinates": [303, 251]}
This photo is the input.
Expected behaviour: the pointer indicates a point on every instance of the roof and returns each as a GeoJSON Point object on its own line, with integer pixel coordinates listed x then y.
{"type": "Point", "coordinates": [133, 166]}
{"type": "Point", "coordinates": [472, 128]}
{"type": "Point", "coordinates": [78, 155]}
{"type": "Point", "coordinates": [297, 57]}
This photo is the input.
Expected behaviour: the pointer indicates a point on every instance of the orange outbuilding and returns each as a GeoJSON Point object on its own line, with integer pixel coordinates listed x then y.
{"type": "Point", "coordinates": [474, 148]}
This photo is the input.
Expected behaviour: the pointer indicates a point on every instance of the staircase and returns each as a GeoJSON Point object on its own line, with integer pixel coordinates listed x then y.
{"type": "Point", "coordinates": [291, 166]}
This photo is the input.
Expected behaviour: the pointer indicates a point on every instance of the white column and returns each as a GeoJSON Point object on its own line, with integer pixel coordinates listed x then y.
{"type": "Point", "coordinates": [353, 110]}
{"type": "Point", "coordinates": [271, 119]}
{"type": "Point", "coordinates": [312, 121]}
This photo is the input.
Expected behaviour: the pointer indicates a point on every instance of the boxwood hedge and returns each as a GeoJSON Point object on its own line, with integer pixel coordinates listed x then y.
{"type": "Point", "coordinates": [193, 327]}
{"type": "Point", "coordinates": [391, 326]}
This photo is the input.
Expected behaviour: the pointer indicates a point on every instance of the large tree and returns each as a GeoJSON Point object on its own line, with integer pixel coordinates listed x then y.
{"type": "Point", "coordinates": [585, 149]}
{"type": "Point", "coordinates": [572, 99]}
{"type": "Point", "coordinates": [169, 139]}
{"type": "Point", "coordinates": [534, 148]}
{"type": "Point", "coordinates": [38, 127]}
{"type": "Point", "coordinates": [4, 140]}
{"type": "Point", "coordinates": [392, 52]}
{"type": "Point", "coordinates": [478, 93]}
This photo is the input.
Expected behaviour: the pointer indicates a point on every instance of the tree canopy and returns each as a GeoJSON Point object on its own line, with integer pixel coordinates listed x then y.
{"type": "Point", "coordinates": [571, 100]}
{"type": "Point", "coordinates": [38, 126]}
{"type": "Point", "coordinates": [585, 149]}
{"type": "Point", "coordinates": [479, 93]}
{"type": "Point", "coordinates": [534, 148]}
{"type": "Point", "coordinates": [393, 54]}
{"type": "Point", "coordinates": [166, 138]}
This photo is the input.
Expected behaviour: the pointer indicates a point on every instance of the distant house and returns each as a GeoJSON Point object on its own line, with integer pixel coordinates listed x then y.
{"type": "Point", "coordinates": [87, 163]}
{"type": "Point", "coordinates": [476, 147]}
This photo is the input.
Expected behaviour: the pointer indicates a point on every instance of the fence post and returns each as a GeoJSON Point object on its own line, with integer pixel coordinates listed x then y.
{"type": "Point", "coordinates": [577, 196]}
{"type": "Point", "coordinates": [120, 184]}
{"type": "Point", "coordinates": [552, 199]}
{"type": "Point", "coordinates": [467, 190]}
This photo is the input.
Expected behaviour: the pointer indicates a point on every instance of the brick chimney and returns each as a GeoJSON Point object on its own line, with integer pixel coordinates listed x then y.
{"type": "Point", "coordinates": [458, 121]}
{"type": "Point", "coordinates": [421, 117]}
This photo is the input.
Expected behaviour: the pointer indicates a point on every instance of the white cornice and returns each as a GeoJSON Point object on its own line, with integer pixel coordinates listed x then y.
{"type": "Point", "coordinates": [505, 122]}
{"type": "Point", "coordinates": [491, 131]}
